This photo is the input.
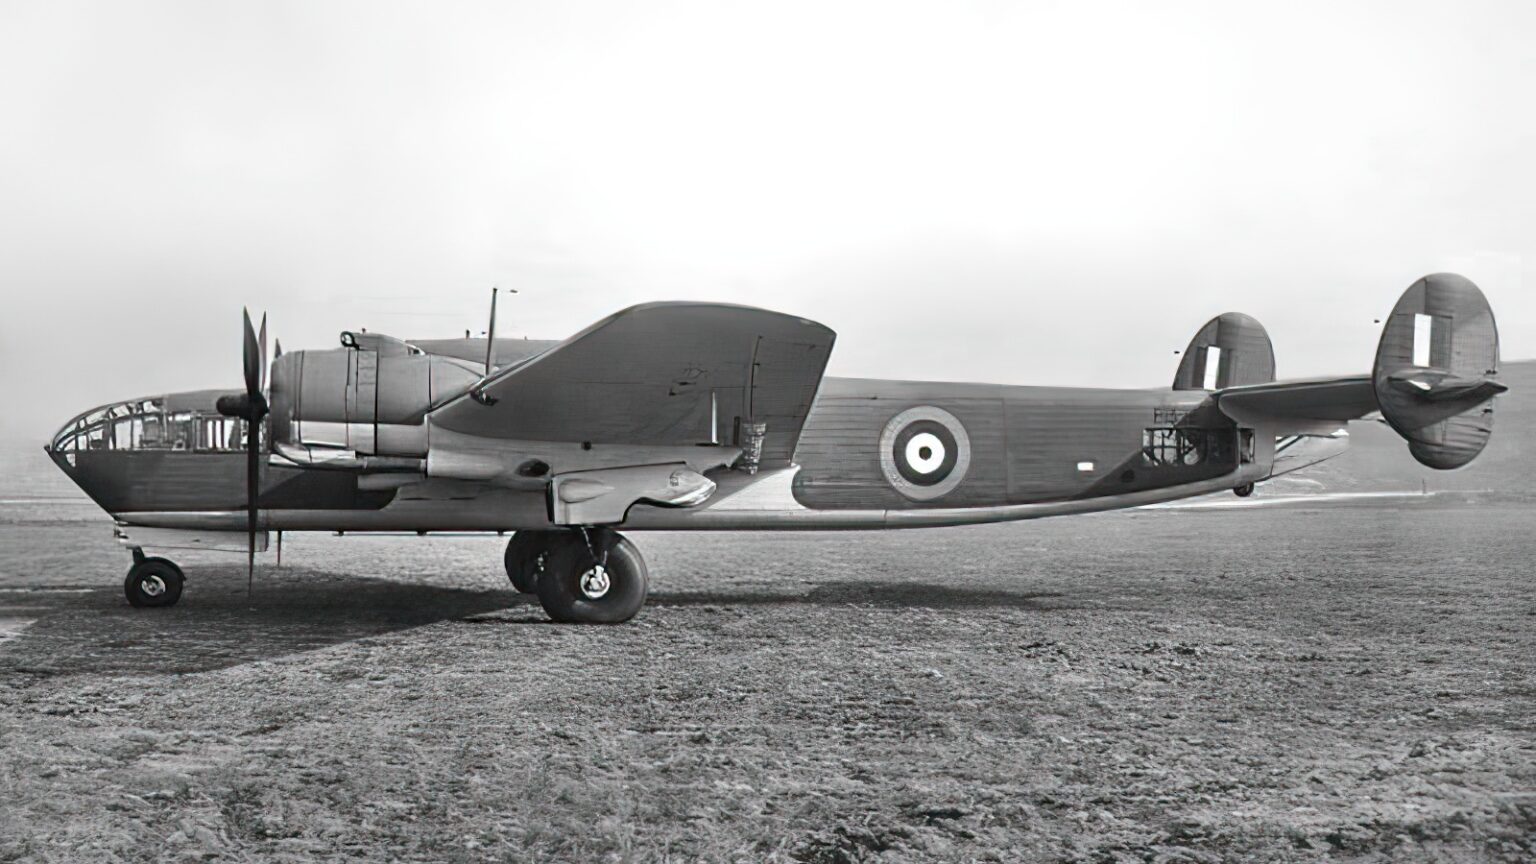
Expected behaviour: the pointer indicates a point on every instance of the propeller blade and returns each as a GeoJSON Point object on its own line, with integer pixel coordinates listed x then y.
{"type": "Point", "coordinates": [252, 487]}
{"type": "Point", "coordinates": [262, 339]}
{"type": "Point", "coordinates": [277, 350]}
{"type": "Point", "coordinates": [252, 358]}
{"type": "Point", "coordinates": [254, 355]}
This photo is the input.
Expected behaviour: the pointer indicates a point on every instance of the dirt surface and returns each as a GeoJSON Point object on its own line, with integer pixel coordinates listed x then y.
{"type": "Point", "coordinates": [1282, 684]}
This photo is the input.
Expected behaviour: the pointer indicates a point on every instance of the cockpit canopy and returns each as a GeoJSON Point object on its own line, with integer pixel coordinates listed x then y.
{"type": "Point", "coordinates": [176, 421]}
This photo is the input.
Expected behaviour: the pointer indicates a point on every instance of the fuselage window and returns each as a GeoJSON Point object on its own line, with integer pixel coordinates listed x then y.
{"type": "Point", "coordinates": [1166, 446]}
{"type": "Point", "coordinates": [1185, 445]}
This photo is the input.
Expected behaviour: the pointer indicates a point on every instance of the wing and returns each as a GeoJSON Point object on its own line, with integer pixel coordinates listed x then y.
{"type": "Point", "coordinates": [659, 374]}
{"type": "Point", "coordinates": [1299, 407]}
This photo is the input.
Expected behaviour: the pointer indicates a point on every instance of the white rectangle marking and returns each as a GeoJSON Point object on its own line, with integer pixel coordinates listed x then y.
{"type": "Point", "coordinates": [1423, 336]}
{"type": "Point", "coordinates": [1085, 466]}
{"type": "Point", "coordinates": [1212, 366]}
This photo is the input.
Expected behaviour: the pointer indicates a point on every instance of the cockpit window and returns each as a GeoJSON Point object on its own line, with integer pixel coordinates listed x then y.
{"type": "Point", "coordinates": [160, 423]}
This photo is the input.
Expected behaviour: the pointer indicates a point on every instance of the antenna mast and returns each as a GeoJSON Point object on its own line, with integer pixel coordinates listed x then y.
{"type": "Point", "coordinates": [490, 331]}
{"type": "Point", "coordinates": [490, 334]}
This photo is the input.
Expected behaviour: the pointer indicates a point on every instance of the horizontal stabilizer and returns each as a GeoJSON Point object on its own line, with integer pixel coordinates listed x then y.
{"type": "Point", "coordinates": [1455, 394]}
{"type": "Point", "coordinates": [1292, 406]}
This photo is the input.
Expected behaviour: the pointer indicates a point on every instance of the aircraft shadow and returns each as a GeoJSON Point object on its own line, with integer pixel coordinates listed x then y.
{"type": "Point", "coordinates": [216, 626]}
{"type": "Point", "coordinates": [892, 595]}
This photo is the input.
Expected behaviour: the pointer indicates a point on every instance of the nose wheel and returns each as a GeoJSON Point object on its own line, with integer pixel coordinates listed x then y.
{"type": "Point", "coordinates": [153, 582]}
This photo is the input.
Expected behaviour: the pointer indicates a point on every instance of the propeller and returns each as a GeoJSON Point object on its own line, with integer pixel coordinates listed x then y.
{"type": "Point", "coordinates": [251, 406]}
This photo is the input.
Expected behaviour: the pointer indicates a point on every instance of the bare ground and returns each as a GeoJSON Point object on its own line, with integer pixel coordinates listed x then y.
{"type": "Point", "coordinates": [1348, 684]}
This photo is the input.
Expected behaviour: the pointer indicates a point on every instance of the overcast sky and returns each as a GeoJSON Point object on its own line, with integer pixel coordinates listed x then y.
{"type": "Point", "coordinates": [1014, 192]}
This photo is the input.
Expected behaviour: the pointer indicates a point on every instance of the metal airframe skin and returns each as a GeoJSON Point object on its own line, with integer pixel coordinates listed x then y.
{"type": "Point", "coordinates": [835, 484]}
{"type": "Point", "coordinates": [827, 460]}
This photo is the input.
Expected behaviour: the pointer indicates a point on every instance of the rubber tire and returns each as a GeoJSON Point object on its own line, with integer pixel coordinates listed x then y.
{"type": "Point", "coordinates": [169, 573]}
{"type": "Point", "coordinates": [522, 558]}
{"type": "Point", "coordinates": [1244, 490]}
{"type": "Point", "coordinates": [569, 558]}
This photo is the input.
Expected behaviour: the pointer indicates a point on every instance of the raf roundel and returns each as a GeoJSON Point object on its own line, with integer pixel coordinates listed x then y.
{"type": "Point", "coordinates": [924, 452]}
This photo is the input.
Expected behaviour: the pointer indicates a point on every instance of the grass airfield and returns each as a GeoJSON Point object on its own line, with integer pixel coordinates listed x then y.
{"type": "Point", "coordinates": [1352, 682]}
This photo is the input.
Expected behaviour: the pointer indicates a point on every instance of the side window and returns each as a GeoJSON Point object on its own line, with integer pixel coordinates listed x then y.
{"type": "Point", "coordinates": [1188, 445]}
{"type": "Point", "coordinates": [1161, 445]}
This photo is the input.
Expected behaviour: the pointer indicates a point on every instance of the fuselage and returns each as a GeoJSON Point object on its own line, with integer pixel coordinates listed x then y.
{"type": "Point", "coordinates": [872, 454]}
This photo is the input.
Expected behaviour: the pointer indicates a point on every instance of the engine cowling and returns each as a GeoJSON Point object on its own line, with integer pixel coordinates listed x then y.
{"type": "Point", "coordinates": [369, 398]}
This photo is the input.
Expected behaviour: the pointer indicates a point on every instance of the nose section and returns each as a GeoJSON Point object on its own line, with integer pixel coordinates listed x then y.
{"type": "Point", "coordinates": [97, 484]}
{"type": "Point", "coordinates": [68, 460]}
{"type": "Point", "coordinates": [81, 446]}
{"type": "Point", "coordinates": [168, 453]}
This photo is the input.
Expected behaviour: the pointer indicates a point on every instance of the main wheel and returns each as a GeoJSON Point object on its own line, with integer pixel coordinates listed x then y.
{"type": "Point", "coordinates": [525, 557]}
{"type": "Point", "coordinates": [1243, 491]}
{"type": "Point", "coordinates": [153, 582]}
{"type": "Point", "coordinates": [580, 588]}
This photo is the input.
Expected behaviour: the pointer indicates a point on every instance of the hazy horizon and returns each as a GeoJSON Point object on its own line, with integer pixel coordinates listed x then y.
{"type": "Point", "coordinates": [1047, 194]}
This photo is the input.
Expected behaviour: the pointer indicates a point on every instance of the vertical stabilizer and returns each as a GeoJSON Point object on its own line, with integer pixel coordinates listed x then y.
{"type": "Point", "coordinates": [1435, 369]}
{"type": "Point", "coordinates": [1232, 349]}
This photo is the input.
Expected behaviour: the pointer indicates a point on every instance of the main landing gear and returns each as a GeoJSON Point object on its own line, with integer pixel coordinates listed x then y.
{"type": "Point", "coordinates": [152, 581]}
{"type": "Point", "coordinates": [1243, 491]}
{"type": "Point", "coordinates": [584, 575]}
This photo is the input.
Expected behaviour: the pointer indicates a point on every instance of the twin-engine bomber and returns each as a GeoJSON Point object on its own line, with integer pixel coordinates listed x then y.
{"type": "Point", "coordinates": [705, 416]}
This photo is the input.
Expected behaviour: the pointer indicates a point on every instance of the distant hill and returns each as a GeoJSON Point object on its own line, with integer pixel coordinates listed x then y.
{"type": "Point", "coordinates": [1378, 459]}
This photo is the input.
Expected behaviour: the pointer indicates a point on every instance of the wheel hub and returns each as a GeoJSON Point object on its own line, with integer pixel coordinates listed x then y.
{"type": "Point", "coordinates": [152, 586]}
{"type": "Point", "coordinates": [595, 582]}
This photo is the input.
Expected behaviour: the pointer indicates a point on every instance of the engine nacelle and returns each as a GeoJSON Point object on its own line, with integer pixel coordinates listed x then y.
{"type": "Point", "coordinates": [370, 398]}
